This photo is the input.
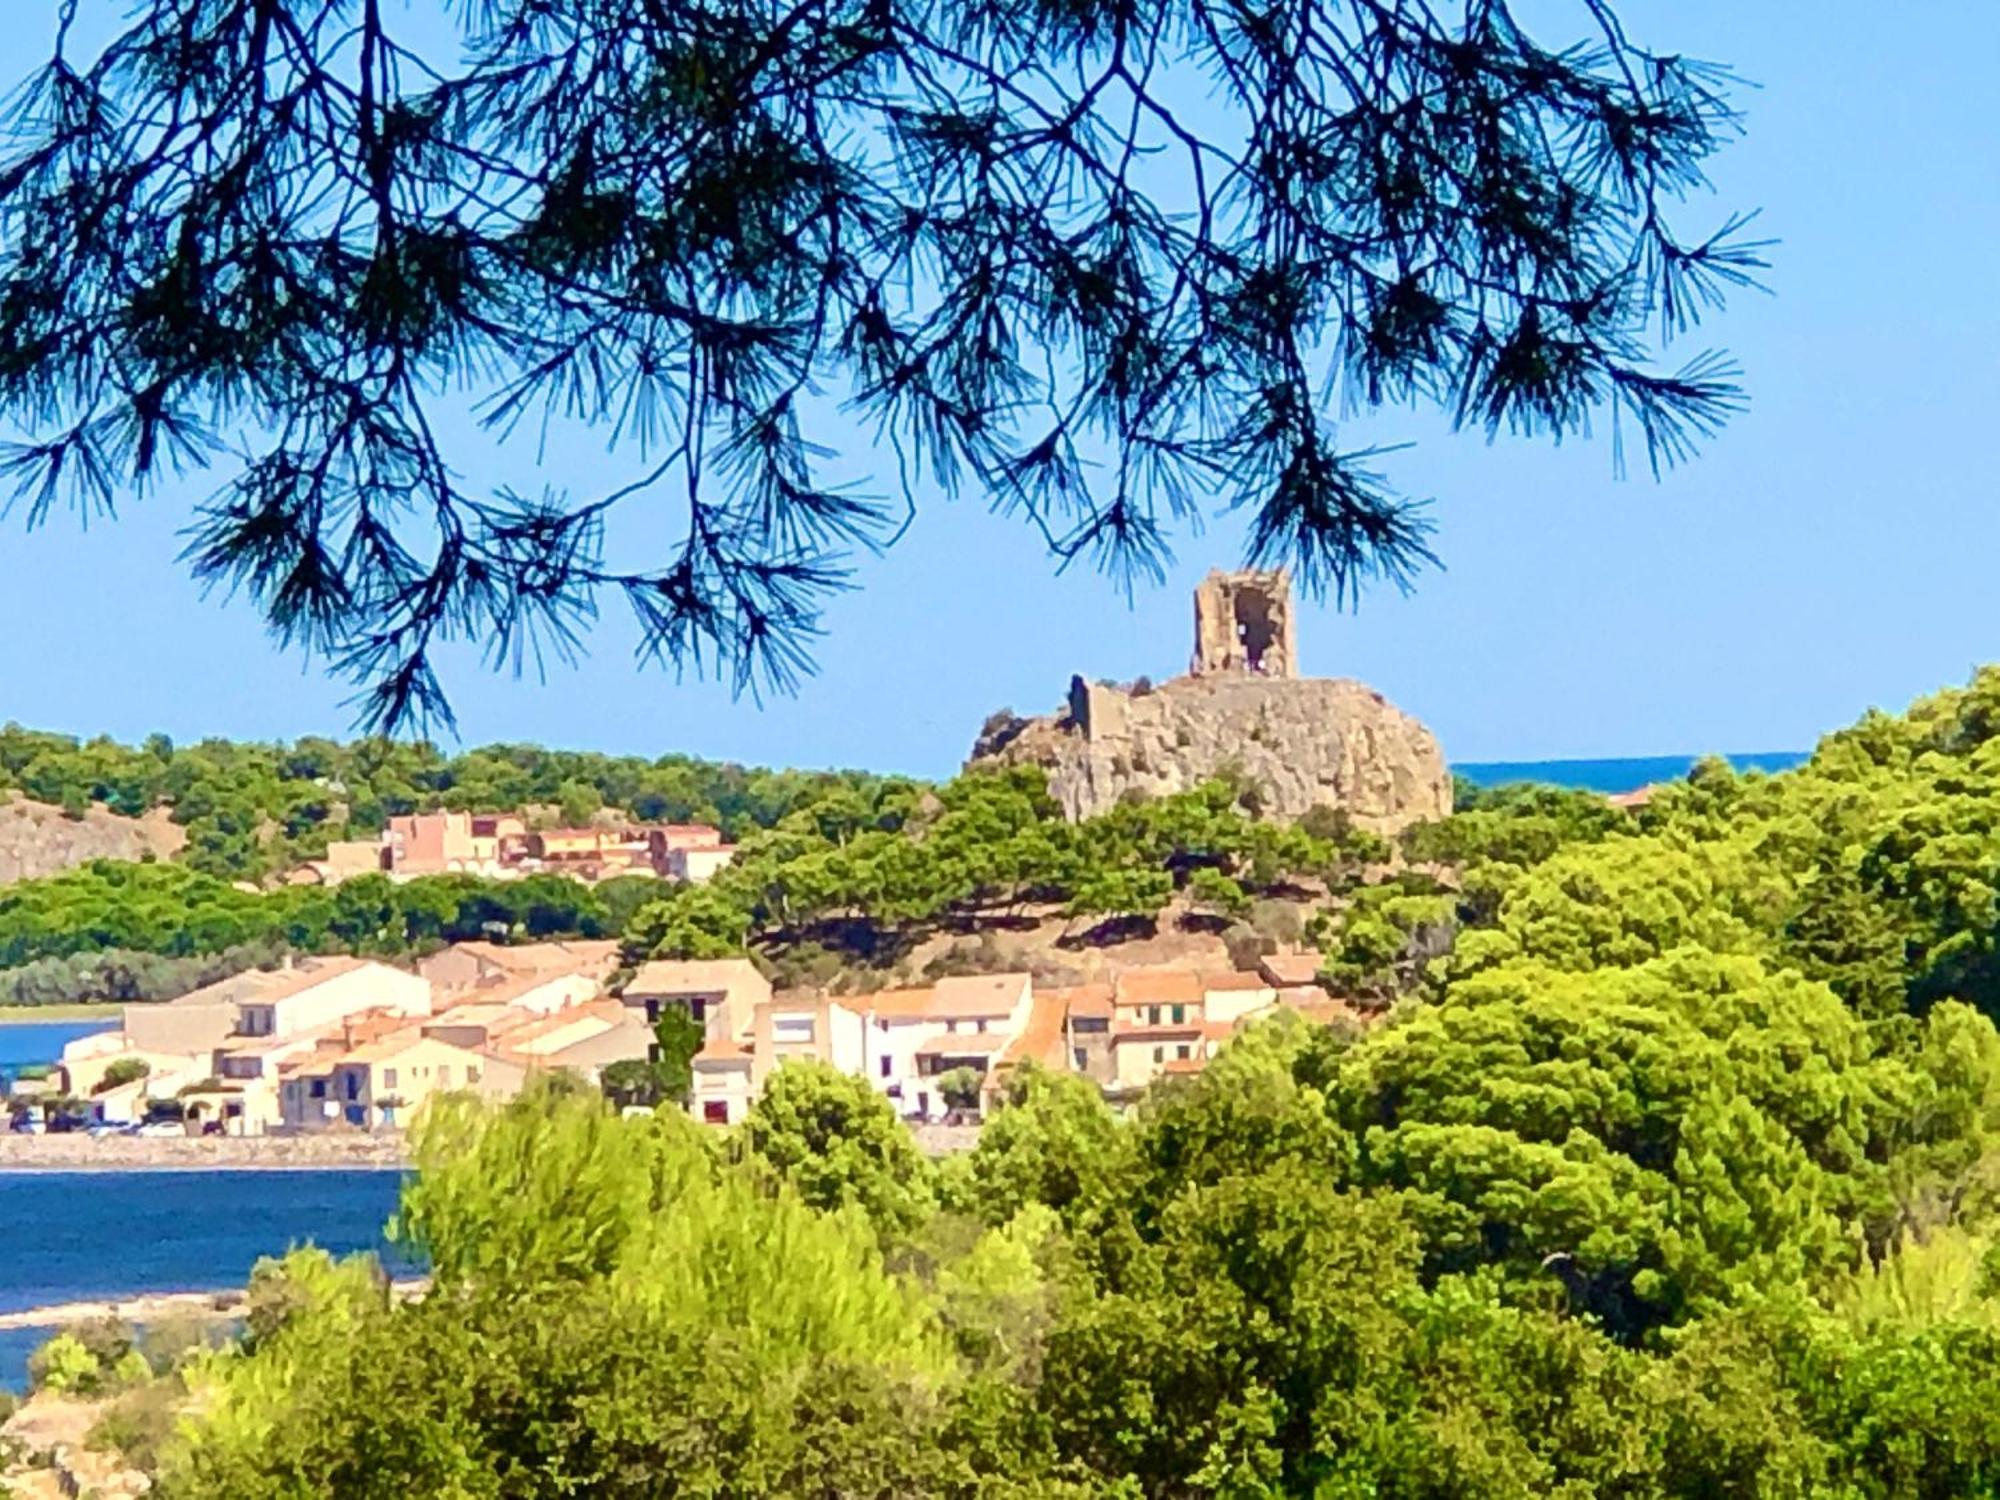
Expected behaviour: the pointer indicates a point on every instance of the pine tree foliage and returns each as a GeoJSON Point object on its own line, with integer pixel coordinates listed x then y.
{"type": "Point", "coordinates": [1105, 264]}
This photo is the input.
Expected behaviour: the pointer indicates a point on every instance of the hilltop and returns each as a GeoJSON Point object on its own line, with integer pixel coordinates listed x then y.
{"type": "Point", "coordinates": [1243, 712]}
{"type": "Point", "coordinates": [38, 839]}
{"type": "Point", "coordinates": [250, 810]}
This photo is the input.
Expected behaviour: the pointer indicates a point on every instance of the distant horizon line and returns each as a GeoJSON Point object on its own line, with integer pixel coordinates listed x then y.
{"type": "Point", "coordinates": [1617, 773]}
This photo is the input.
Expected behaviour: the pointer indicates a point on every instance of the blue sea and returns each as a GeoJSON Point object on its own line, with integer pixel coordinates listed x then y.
{"type": "Point", "coordinates": [1626, 774]}
{"type": "Point", "coordinates": [30, 1043]}
{"type": "Point", "coordinates": [73, 1236]}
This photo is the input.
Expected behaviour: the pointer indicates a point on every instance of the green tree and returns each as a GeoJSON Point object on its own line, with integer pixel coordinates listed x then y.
{"type": "Point", "coordinates": [578, 802]}
{"type": "Point", "coordinates": [125, 1070]}
{"type": "Point", "coordinates": [960, 1087]}
{"type": "Point", "coordinates": [838, 1143]}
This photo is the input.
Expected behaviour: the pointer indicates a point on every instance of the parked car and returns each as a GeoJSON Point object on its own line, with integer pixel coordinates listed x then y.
{"type": "Point", "coordinates": [161, 1128]}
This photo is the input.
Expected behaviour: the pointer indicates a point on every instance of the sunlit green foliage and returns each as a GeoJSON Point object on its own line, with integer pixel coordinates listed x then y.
{"type": "Point", "coordinates": [253, 809]}
{"type": "Point", "coordinates": [1670, 1172]}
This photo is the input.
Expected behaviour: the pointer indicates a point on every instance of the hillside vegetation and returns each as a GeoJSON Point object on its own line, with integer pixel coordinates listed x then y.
{"type": "Point", "coordinates": [249, 810]}
{"type": "Point", "coordinates": [1670, 1172]}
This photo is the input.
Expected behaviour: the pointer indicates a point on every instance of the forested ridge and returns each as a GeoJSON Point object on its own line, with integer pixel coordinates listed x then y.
{"type": "Point", "coordinates": [255, 809]}
{"type": "Point", "coordinates": [1670, 1171]}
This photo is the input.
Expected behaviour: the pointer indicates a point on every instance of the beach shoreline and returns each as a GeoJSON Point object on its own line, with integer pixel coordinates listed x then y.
{"type": "Point", "coordinates": [222, 1304]}
{"type": "Point", "coordinates": [125, 1153]}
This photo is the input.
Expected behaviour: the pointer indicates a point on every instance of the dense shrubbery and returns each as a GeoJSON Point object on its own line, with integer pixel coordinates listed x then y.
{"type": "Point", "coordinates": [109, 930]}
{"type": "Point", "coordinates": [1233, 1294]}
{"type": "Point", "coordinates": [251, 809]}
{"type": "Point", "coordinates": [1672, 1175]}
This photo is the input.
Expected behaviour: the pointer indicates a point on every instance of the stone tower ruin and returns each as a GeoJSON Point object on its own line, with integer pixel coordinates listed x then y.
{"type": "Point", "coordinates": [1243, 623]}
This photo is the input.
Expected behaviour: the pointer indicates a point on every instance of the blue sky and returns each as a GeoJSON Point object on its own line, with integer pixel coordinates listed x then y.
{"type": "Point", "coordinates": [1832, 550]}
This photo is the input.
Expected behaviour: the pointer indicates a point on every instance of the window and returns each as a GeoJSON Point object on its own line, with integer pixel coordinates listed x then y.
{"type": "Point", "coordinates": [471, 1074]}
{"type": "Point", "coordinates": [353, 1085]}
{"type": "Point", "coordinates": [980, 1024]}
{"type": "Point", "coordinates": [388, 1078]}
{"type": "Point", "coordinates": [951, 1026]}
{"type": "Point", "coordinates": [1180, 1014]}
{"type": "Point", "coordinates": [653, 1014]}
{"type": "Point", "coordinates": [888, 1065]}
{"type": "Point", "coordinates": [1153, 1014]}
{"type": "Point", "coordinates": [1159, 1054]}
{"type": "Point", "coordinates": [1078, 1059]}
{"type": "Point", "coordinates": [792, 1028]}
{"type": "Point", "coordinates": [318, 1089]}
{"type": "Point", "coordinates": [880, 1024]}
{"type": "Point", "coordinates": [698, 1008]}
{"type": "Point", "coordinates": [1182, 1051]}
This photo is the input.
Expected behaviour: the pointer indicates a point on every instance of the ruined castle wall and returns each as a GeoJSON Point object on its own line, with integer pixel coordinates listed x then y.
{"type": "Point", "coordinates": [1243, 622]}
{"type": "Point", "coordinates": [1303, 743]}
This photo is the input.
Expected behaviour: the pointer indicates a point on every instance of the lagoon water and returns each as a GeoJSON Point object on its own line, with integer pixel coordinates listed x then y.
{"type": "Point", "coordinates": [72, 1236]}
{"type": "Point", "coordinates": [29, 1043]}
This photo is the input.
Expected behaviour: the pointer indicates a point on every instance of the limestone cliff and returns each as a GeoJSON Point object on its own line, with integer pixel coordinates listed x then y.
{"type": "Point", "coordinates": [1303, 741]}
{"type": "Point", "coordinates": [37, 839]}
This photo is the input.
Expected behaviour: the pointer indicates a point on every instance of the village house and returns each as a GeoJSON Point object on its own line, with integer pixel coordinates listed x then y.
{"type": "Point", "coordinates": [448, 843]}
{"type": "Point", "coordinates": [1231, 998]}
{"type": "Point", "coordinates": [1087, 1013]}
{"type": "Point", "coordinates": [584, 1040]}
{"type": "Point", "coordinates": [480, 966]}
{"type": "Point", "coordinates": [344, 859]}
{"type": "Point", "coordinates": [217, 1049]}
{"type": "Point", "coordinates": [386, 1083]}
{"type": "Point", "coordinates": [697, 866]}
{"type": "Point", "coordinates": [823, 1028]}
{"type": "Point", "coordinates": [1042, 1042]}
{"type": "Point", "coordinates": [1157, 1021]}
{"type": "Point", "coordinates": [721, 994]}
{"type": "Point", "coordinates": [917, 1035]}
{"type": "Point", "coordinates": [176, 1041]}
{"type": "Point", "coordinates": [672, 838]}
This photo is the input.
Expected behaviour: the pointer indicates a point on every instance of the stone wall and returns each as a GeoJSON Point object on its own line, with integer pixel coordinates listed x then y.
{"type": "Point", "coordinates": [1243, 623]}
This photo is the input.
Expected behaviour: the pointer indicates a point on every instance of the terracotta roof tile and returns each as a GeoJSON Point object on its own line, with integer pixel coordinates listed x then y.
{"type": "Point", "coordinates": [1234, 982]}
{"type": "Point", "coordinates": [694, 976]}
{"type": "Point", "coordinates": [1041, 1039]}
{"type": "Point", "coordinates": [1086, 1000]}
{"type": "Point", "coordinates": [1158, 986]}
{"type": "Point", "coordinates": [894, 1005]}
{"type": "Point", "coordinates": [1290, 968]}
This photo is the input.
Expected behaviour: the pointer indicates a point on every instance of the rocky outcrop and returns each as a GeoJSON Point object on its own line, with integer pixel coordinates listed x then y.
{"type": "Point", "coordinates": [37, 839]}
{"type": "Point", "coordinates": [1302, 742]}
